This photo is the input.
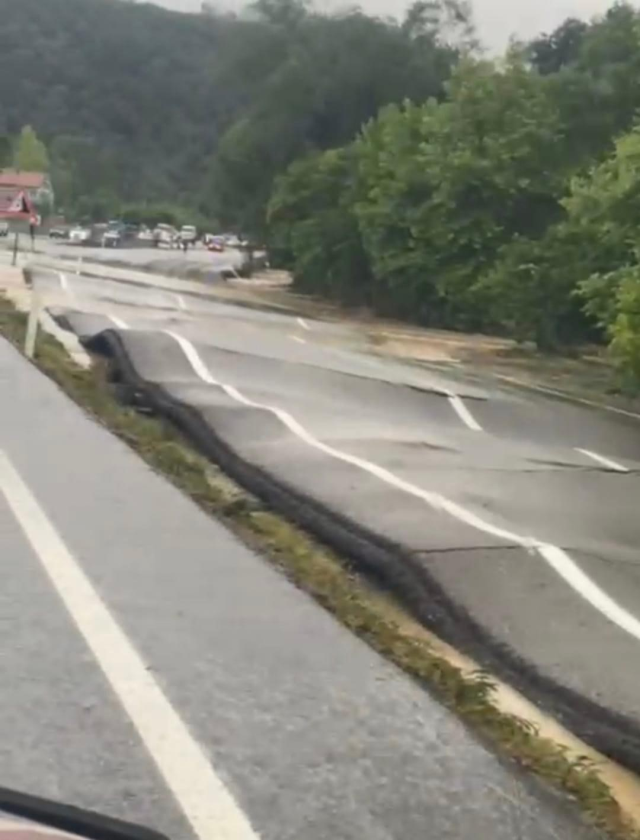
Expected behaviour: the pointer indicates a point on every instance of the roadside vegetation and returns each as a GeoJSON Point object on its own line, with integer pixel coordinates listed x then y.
{"type": "Point", "coordinates": [509, 207]}
{"type": "Point", "coordinates": [328, 578]}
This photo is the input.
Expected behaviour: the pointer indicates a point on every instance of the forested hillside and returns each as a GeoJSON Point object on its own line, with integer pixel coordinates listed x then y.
{"type": "Point", "coordinates": [133, 102]}
{"type": "Point", "coordinates": [133, 88]}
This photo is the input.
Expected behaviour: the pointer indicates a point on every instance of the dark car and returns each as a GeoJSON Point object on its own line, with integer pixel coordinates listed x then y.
{"type": "Point", "coordinates": [113, 235]}
{"type": "Point", "coordinates": [58, 233]}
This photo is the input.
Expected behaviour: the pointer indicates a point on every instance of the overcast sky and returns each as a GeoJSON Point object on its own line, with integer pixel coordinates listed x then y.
{"type": "Point", "coordinates": [496, 20]}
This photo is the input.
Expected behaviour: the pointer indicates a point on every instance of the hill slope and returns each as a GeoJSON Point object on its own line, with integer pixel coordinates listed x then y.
{"type": "Point", "coordinates": [139, 81]}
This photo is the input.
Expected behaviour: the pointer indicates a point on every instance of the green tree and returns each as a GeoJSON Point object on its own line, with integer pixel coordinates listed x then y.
{"type": "Point", "coordinates": [550, 53]}
{"type": "Point", "coordinates": [603, 210]}
{"type": "Point", "coordinates": [444, 186]}
{"type": "Point", "coordinates": [591, 72]}
{"type": "Point", "coordinates": [30, 153]}
{"type": "Point", "coordinates": [588, 260]}
{"type": "Point", "coordinates": [335, 75]}
{"type": "Point", "coordinates": [311, 222]}
{"type": "Point", "coordinates": [624, 329]}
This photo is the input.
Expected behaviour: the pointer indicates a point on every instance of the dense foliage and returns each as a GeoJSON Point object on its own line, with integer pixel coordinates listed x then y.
{"type": "Point", "coordinates": [316, 80]}
{"type": "Point", "coordinates": [509, 206]}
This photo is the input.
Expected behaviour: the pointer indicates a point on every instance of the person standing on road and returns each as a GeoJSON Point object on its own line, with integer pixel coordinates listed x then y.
{"type": "Point", "coordinates": [33, 224]}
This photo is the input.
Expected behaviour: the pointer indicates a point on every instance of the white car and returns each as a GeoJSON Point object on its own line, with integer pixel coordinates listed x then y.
{"type": "Point", "coordinates": [165, 235]}
{"type": "Point", "coordinates": [79, 235]}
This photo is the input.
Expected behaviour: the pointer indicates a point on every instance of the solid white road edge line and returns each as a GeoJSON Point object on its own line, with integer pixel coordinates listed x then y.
{"type": "Point", "coordinates": [463, 413]}
{"type": "Point", "coordinates": [554, 556]}
{"type": "Point", "coordinates": [566, 396]}
{"type": "Point", "coordinates": [303, 323]}
{"type": "Point", "coordinates": [606, 462]}
{"type": "Point", "coordinates": [206, 802]}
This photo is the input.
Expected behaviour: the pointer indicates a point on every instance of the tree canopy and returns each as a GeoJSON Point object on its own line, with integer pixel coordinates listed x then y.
{"type": "Point", "coordinates": [508, 204]}
{"type": "Point", "coordinates": [334, 73]}
{"type": "Point", "coordinates": [30, 153]}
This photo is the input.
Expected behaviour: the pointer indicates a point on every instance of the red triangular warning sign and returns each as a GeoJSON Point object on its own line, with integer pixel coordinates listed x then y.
{"type": "Point", "coordinates": [20, 204]}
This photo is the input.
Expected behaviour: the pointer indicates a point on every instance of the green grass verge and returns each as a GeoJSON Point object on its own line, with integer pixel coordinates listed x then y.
{"type": "Point", "coordinates": [318, 571]}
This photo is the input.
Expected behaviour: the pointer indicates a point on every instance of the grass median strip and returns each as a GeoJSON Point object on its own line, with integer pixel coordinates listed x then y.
{"type": "Point", "coordinates": [327, 578]}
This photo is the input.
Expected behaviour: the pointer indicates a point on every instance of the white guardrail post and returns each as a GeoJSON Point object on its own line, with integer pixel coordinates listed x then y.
{"type": "Point", "coordinates": [32, 323]}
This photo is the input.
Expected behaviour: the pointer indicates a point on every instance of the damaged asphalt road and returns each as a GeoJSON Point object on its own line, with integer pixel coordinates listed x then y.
{"type": "Point", "coordinates": [507, 522]}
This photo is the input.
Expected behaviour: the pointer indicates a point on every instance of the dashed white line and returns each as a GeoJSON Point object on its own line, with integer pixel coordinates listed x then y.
{"type": "Point", "coordinates": [298, 339]}
{"type": "Point", "coordinates": [205, 800]}
{"type": "Point", "coordinates": [303, 323]}
{"type": "Point", "coordinates": [66, 286]}
{"type": "Point", "coordinates": [118, 322]}
{"type": "Point", "coordinates": [182, 305]}
{"type": "Point", "coordinates": [463, 413]}
{"type": "Point", "coordinates": [606, 462]}
{"type": "Point", "coordinates": [554, 556]}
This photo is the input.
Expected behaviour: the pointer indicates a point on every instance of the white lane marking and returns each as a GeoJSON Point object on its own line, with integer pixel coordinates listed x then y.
{"type": "Point", "coordinates": [181, 304]}
{"type": "Point", "coordinates": [118, 322]}
{"type": "Point", "coordinates": [303, 323]}
{"type": "Point", "coordinates": [66, 286]}
{"type": "Point", "coordinates": [298, 339]}
{"type": "Point", "coordinates": [606, 462]}
{"type": "Point", "coordinates": [567, 397]}
{"type": "Point", "coordinates": [463, 413]}
{"type": "Point", "coordinates": [554, 556]}
{"type": "Point", "coordinates": [206, 802]}
{"type": "Point", "coordinates": [590, 591]}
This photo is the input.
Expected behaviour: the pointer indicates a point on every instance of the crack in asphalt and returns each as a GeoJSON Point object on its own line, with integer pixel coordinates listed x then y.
{"type": "Point", "coordinates": [467, 548]}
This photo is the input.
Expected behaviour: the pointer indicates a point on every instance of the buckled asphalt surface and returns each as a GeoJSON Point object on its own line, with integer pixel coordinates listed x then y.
{"type": "Point", "coordinates": [539, 469]}
{"type": "Point", "coordinates": [531, 468]}
{"type": "Point", "coordinates": [311, 732]}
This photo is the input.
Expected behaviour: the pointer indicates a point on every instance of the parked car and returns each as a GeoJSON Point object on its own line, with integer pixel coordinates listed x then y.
{"type": "Point", "coordinates": [113, 236]}
{"type": "Point", "coordinates": [58, 233]}
{"type": "Point", "coordinates": [216, 243]}
{"type": "Point", "coordinates": [79, 235]}
{"type": "Point", "coordinates": [165, 235]}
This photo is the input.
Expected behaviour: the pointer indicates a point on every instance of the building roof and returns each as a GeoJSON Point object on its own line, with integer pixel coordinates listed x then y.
{"type": "Point", "coordinates": [22, 180]}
